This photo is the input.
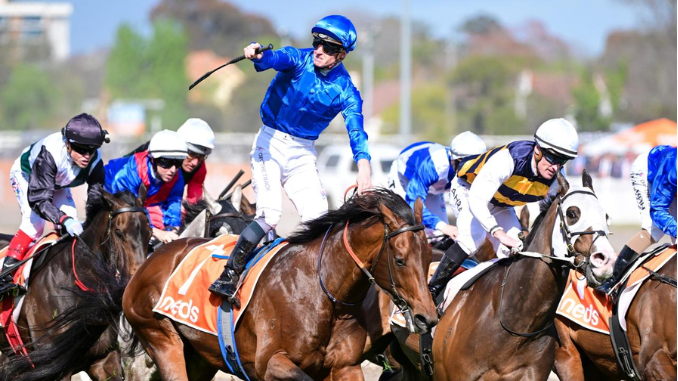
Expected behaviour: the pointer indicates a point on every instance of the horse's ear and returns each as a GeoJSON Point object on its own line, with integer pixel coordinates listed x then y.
{"type": "Point", "coordinates": [564, 185]}
{"type": "Point", "coordinates": [525, 218]}
{"type": "Point", "coordinates": [418, 211]}
{"type": "Point", "coordinates": [236, 197]}
{"type": "Point", "coordinates": [110, 199]}
{"type": "Point", "coordinates": [389, 217]}
{"type": "Point", "coordinates": [142, 195]}
{"type": "Point", "coordinates": [212, 204]}
{"type": "Point", "coordinates": [586, 180]}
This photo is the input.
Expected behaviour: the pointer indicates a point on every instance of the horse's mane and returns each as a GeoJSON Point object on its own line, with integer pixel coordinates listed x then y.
{"type": "Point", "coordinates": [97, 204]}
{"type": "Point", "coordinates": [191, 211]}
{"type": "Point", "coordinates": [543, 209]}
{"type": "Point", "coordinates": [358, 210]}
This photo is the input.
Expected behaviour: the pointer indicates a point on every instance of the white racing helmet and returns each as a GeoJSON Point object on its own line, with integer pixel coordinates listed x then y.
{"type": "Point", "coordinates": [559, 137]}
{"type": "Point", "coordinates": [167, 144]}
{"type": "Point", "coordinates": [198, 135]}
{"type": "Point", "coordinates": [466, 144]}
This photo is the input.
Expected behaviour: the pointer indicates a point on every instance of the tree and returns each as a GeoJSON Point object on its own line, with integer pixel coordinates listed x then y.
{"type": "Point", "coordinates": [151, 69]}
{"type": "Point", "coordinates": [214, 25]}
{"type": "Point", "coordinates": [28, 99]}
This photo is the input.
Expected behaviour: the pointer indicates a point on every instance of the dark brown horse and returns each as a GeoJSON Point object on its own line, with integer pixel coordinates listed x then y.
{"type": "Point", "coordinates": [291, 328]}
{"type": "Point", "coordinates": [67, 329]}
{"type": "Point", "coordinates": [651, 327]}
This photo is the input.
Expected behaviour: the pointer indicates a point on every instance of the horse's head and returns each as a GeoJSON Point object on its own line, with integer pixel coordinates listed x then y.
{"type": "Point", "coordinates": [127, 230]}
{"type": "Point", "coordinates": [212, 218]}
{"type": "Point", "coordinates": [403, 270]}
{"type": "Point", "coordinates": [581, 230]}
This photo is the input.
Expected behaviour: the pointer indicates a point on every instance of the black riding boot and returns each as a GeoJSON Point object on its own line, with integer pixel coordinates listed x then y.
{"type": "Point", "coordinates": [453, 258]}
{"type": "Point", "coordinates": [7, 281]}
{"type": "Point", "coordinates": [227, 283]}
{"type": "Point", "coordinates": [625, 258]}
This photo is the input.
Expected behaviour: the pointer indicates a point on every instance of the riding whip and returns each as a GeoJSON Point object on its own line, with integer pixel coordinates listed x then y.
{"type": "Point", "coordinates": [236, 59]}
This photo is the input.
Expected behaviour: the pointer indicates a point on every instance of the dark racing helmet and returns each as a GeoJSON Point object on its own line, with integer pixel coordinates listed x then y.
{"type": "Point", "coordinates": [84, 130]}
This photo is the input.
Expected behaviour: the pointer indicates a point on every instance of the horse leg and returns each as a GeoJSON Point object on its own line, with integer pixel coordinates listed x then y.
{"type": "Point", "coordinates": [659, 367]}
{"type": "Point", "coordinates": [568, 364]}
{"type": "Point", "coordinates": [165, 347]}
{"type": "Point", "coordinates": [107, 369]}
{"type": "Point", "coordinates": [347, 373]}
{"type": "Point", "coordinates": [280, 367]}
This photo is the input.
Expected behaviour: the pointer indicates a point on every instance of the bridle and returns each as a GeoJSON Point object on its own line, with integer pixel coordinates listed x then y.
{"type": "Point", "coordinates": [568, 259]}
{"type": "Point", "coordinates": [393, 292]}
{"type": "Point", "coordinates": [113, 213]}
{"type": "Point", "coordinates": [210, 218]}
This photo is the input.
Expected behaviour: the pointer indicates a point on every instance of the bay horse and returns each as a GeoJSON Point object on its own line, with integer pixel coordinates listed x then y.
{"type": "Point", "coordinates": [651, 329]}
{"type": "Point", "coordinates": [501, 327]}
{"type": "Point", "coordinates": [319, 336]}
{"type": "Point", "coordinates": [67, 329]}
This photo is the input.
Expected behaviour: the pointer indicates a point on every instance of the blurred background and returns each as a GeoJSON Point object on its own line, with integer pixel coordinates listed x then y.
{"type": "Point", "coordinates": [427, 70]}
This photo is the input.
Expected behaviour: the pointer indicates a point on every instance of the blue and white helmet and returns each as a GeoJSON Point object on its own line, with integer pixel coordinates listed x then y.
{"type": "Point", "coordinates": [338, 28]}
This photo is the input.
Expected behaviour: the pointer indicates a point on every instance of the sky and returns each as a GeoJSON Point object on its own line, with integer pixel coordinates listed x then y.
{"type": "Point", "coordinates": [583, 23]}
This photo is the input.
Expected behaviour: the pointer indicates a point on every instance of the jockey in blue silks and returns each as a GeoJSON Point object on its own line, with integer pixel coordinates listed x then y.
{"type": "Point", "coordinates": [653, 176]}
{"type": "Point", "coordinates": [158, 168]}
{"type": "Point", "coordinates": [425, 170]}
{"type": "Point", "coordinates": [311, 88]}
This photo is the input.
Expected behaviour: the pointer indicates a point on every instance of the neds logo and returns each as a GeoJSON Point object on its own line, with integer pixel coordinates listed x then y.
{"type": "Point", "coordinates": [180, 308]}
{"type": "Point", "coordinates": [578, 311]}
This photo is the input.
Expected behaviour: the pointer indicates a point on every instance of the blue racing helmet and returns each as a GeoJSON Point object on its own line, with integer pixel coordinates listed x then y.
{"type": "Point", "coordinates": [339, 29]}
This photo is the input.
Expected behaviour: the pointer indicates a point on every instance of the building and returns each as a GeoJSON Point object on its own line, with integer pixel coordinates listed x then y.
{"type": "Point", "coordinates": [29, 26]}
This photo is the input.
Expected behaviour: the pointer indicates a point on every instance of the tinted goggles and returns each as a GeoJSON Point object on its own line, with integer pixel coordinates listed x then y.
{"type": "Point", "coordinates": [83, 150]}
{"type": "Point", "coordinates": [554, 159]}
{"type": "Point", "coordinates": [166, 163]}
{"type": "Point", "coordinates": [328, 48]}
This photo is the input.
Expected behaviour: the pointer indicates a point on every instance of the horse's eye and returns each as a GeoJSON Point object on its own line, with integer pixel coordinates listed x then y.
{"type": "Point", "coordinates": [400, 262]}
{"type": "Point", "coordinates": [571, 214]}
{"type": "Point", "coordinates": [119, 234]}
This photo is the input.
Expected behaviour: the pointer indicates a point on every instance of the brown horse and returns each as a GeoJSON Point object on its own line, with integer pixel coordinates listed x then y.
{"type": "Point", "coordinates": [292, 329]}
{"type": "Point", "coordinates": [651, 327]}
{"type": "Point", "coordinates": [377, 303]}
{"type": "Point", "coordinates": [67, 329]}
{"type": "Point", "coordinates": [501, 327]}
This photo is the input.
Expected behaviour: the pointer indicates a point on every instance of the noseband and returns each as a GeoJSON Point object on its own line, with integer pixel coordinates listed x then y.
{"type": "Point", "coordinates": [393, 292]}
{"type": "Point", "coordinates": [569, 234]}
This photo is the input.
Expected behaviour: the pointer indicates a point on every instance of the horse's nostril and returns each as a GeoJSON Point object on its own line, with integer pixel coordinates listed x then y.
{"type": "Point", "coordinates": [598, 259]}
{"type": "Point", "coordinates": [422, 321]}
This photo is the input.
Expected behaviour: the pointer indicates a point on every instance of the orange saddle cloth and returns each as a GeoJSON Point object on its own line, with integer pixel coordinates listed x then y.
{"type": "Point", "coordinates": [186, 298]}
{"type": "Point", "coordinates": [592, 309]}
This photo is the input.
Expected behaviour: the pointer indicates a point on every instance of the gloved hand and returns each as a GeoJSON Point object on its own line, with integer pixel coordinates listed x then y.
{"type": "Point", "coordinates": [73, 226]}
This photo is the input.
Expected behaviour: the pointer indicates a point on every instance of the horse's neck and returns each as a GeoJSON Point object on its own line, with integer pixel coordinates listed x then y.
{"type": "Point", "coordinates": [534, 288]}
{"type": "Point", "coordinates": [341, 274]}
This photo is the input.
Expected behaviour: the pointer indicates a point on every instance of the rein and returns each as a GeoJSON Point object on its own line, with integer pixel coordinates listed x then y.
{"type": "Point", "coordinates": [393, 292]}
{"type": "Point", "coordinates": [568, 259]}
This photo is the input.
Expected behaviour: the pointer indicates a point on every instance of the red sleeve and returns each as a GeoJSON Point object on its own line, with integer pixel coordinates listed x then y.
{"type": "Point", "coordinates": [155, 212]}
{"type": "Point", "coordinates": [194, 187]}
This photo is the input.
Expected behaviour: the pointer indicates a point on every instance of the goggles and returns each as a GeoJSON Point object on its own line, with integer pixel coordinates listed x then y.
{"type": "Point", "coordinates": [194, 155]}
{"type": "Point", "coordinates": [554, 159]}
{"type": "Point", "coordinates": [83, 149]}
{"type": "Point", "coordinates": [328, 47]}
{"type": "Point", "coordinates": [167, 163]}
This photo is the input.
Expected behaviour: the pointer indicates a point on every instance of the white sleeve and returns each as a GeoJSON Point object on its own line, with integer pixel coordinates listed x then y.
{"type": "Point", "coordinates": [496, 170]}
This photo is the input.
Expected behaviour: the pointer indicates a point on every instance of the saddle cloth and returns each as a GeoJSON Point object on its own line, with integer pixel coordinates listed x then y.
{"type": "Point", "coordinates": [592, 309]}
{"type": "Point", "coordinates": [186, 298]}
{"type": "Point", "coordinates": [21, 276]}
